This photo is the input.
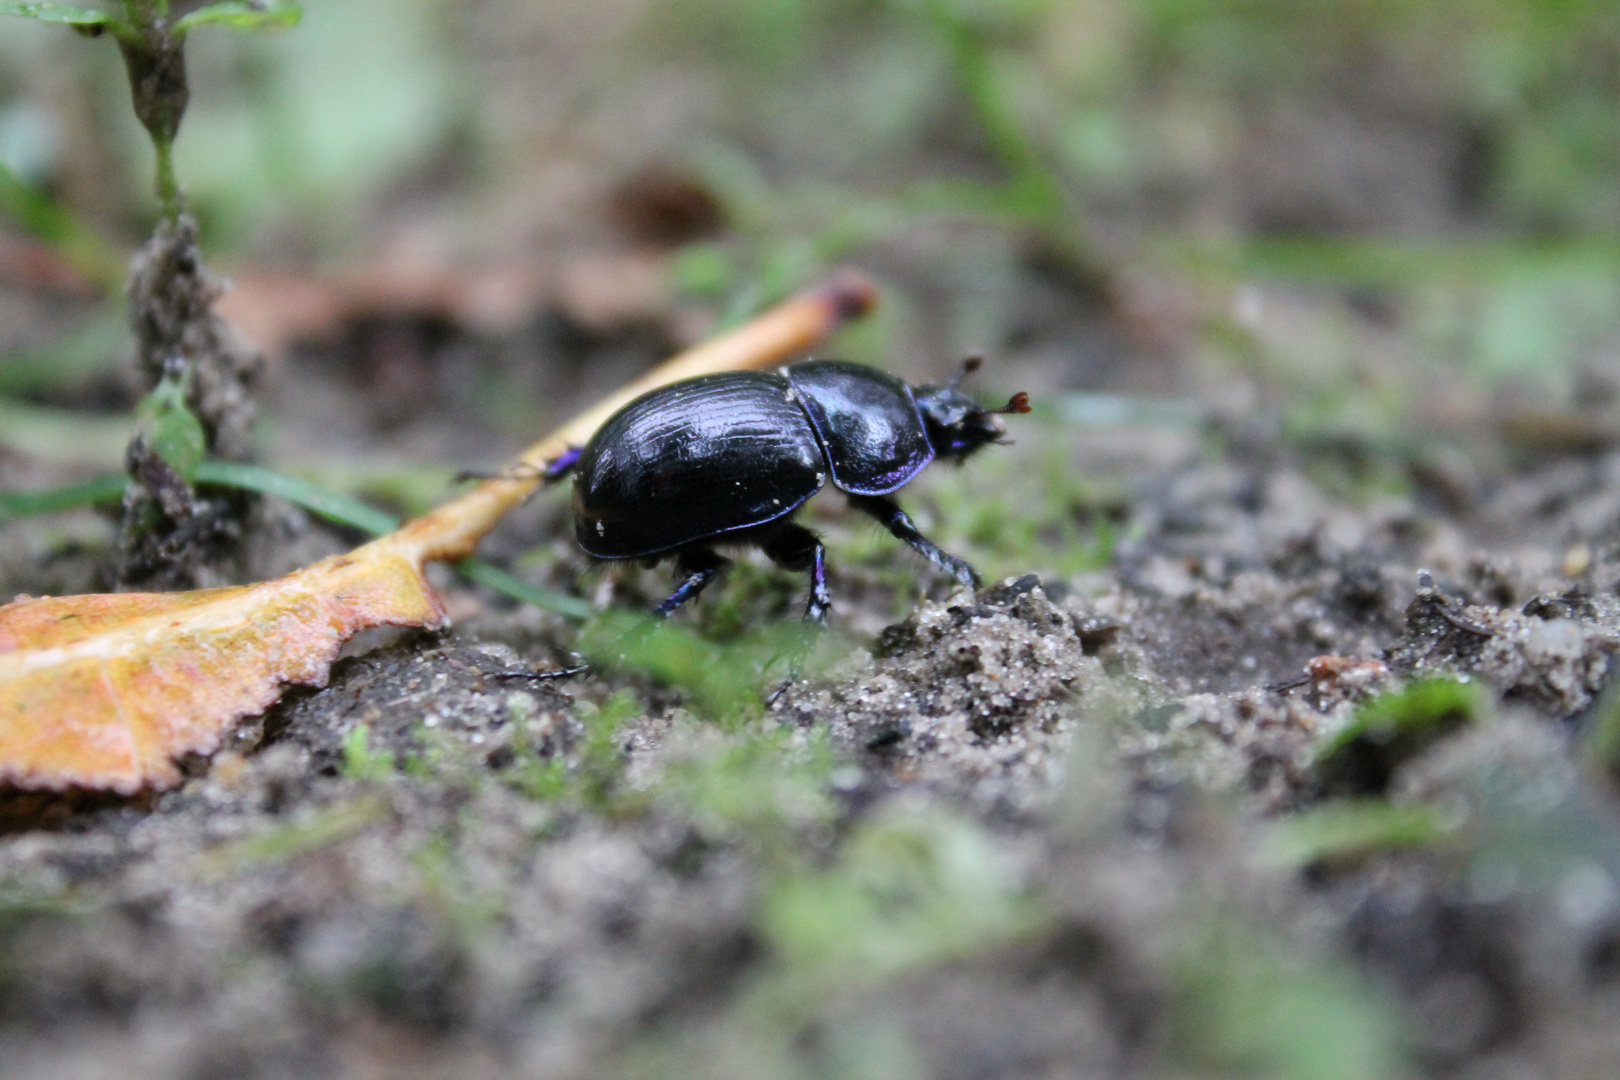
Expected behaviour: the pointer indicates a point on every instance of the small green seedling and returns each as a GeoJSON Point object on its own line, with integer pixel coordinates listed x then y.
{"type": "Point", "coordinates": [1361, 757]}
{"type": "Point", "coordinates": [153, 46]}
{"type": "Point", "coordinates": [170, 293]}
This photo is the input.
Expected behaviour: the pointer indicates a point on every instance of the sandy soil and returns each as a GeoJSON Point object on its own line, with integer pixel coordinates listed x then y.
{"type": "Point", "coordinates": [1037, 831]}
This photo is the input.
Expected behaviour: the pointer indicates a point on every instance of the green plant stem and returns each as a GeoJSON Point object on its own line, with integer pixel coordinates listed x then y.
{"type": "Point", "coordinates": [60, 435]}
{"type": "Point", "coordinates": [154, 57]}
{"type": "Point", "coordinates": [168, 188]}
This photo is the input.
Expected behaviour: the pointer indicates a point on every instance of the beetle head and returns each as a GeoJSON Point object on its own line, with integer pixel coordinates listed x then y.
{"type": "Point", "coordinates": [958, 425]}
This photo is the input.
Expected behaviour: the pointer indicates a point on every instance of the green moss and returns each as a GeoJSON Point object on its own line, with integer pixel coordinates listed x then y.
{"type": "Point", "coordinates": [748, 596]}
{"type": "Point", "coordinates": [1245, 1007]}
{"type": "Point", "coordinates": [361, 761]}
{"type": "Point", "coordinates": [725, 682]}
{"type": "Point", "coordinates": [1361, 757]}
{"type": "Point", "coordinates": [907, 889]}
{"type": "Point", "coordinates": [311, 833]}
{"type": "Point", "coordinates": [1009, 513]}
{"type": "Point", "coordinates": [443, 885]}
{"type": "Point", "coordinates": [1421, 710]}
{"type": "Point", "coordinates": [765, 790]}
{"type": "Point", "coordinates": [587, 778]}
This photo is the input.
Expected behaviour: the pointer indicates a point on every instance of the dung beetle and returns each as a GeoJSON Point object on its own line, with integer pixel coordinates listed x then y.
{"type": "Point", "coordinates": [728, 458]}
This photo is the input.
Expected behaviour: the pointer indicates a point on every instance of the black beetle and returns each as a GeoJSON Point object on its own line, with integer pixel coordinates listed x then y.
{"type": "Point", "coordinates": [728, 458]}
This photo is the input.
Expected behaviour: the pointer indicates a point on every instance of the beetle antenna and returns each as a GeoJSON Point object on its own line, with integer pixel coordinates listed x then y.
{"type": "Point", "coordinates": [969, 366]}
{"type": "Point", "coordinates": [1018, 403]}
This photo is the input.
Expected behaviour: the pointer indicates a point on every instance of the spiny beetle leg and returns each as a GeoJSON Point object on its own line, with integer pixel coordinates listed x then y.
{"type": "Point", "coordinates": [554, 470]}
{"type": "Point", "coordinates": [541, 676]}
{"type": "Point", "coordinates": [699, 565]}
{"type": "Point", "coordinates": [891, 517]}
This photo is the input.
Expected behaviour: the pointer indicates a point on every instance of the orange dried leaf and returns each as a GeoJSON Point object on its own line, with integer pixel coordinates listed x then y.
{"type": "Point", "coordinates": [104, 691]}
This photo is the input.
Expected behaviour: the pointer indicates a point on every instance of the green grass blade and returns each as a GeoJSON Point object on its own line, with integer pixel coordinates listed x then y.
{"type": "Point", "coordinates": [329, 504]}
{"type": "Point", "coordinates": [509, 584]}
{"type": "Point", "coordinates": [353, 512]}
{"type": "Point", "coordinates": [1396, 263]}
{"type": "Point", "coordinates": [103, 489]}
{"type": "Point", "coordinates": [61, 435]}
{"type": "Point", "coordinates": [73, 359]}
{"type": "Point", "coordinates": [47, 220]}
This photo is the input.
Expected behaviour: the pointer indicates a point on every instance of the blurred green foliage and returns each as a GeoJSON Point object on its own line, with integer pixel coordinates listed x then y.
{"type": "Point", "coordinates": [362, 761]}
{"type": "Point", "coordinates": [309, 122]}
{"type": "Point", "coordinates": [1352, 828]}
{"type": "Point", "coordinates": [1247, 1007]}
{"type": "Point", "coordinates": [40, 215]}
{"type": "Point", "coordinates": [763, 788]}
{"type": "Point", "coordinates": [726, 680]}
{"type": "Point", "coordinates": [589, 779]}
{"type": "Point", "coordinates": [1450, 162]}
{"type": "Point", "coordinates": [312, 831]}
{"type": "Point", "coordinates": [317, 121]}
{"type": "Point", "coordinates": [906, 890]}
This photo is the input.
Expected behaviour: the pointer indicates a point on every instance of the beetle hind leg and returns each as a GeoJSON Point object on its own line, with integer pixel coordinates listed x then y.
{"type": "Point", "coordinates": [891, 517]}
{"type": "Point", "coordinates": [793, 547]}
{"type": "Point", "coordinates": [699, 565]}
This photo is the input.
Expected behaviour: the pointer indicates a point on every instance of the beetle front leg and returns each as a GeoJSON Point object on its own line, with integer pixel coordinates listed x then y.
{"type": "Point", "coordinates": [793, 547]}
{"type": "Point", "coordinates": [891, 517]}
{"type": "Point", "coordinates": [699, 565]}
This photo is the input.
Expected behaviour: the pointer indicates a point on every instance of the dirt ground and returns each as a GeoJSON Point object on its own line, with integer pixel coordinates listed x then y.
{"type": "Point", "coordinates": [1041, 830]}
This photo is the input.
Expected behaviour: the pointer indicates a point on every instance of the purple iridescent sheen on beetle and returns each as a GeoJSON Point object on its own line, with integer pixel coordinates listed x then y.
{"type": "Point", "coordinates": [728, 458]}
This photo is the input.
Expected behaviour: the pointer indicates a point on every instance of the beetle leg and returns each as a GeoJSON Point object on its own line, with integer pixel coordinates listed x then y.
{"type": "Point", "coordinates": [554, 470]}
{"type": "Point", "coordinates": [891, 517]}
{"type": "Point", "coordinates": [699, 565]}
{"type": "Point", "coordinates": [793, 547]}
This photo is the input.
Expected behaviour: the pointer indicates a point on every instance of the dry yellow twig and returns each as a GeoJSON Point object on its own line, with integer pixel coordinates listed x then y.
{"type": "Point", "coordinates": [453, 530]}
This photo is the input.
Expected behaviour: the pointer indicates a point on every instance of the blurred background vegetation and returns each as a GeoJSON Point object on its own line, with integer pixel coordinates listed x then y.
{"type": "Point", "coordinates": [1359, 211]}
